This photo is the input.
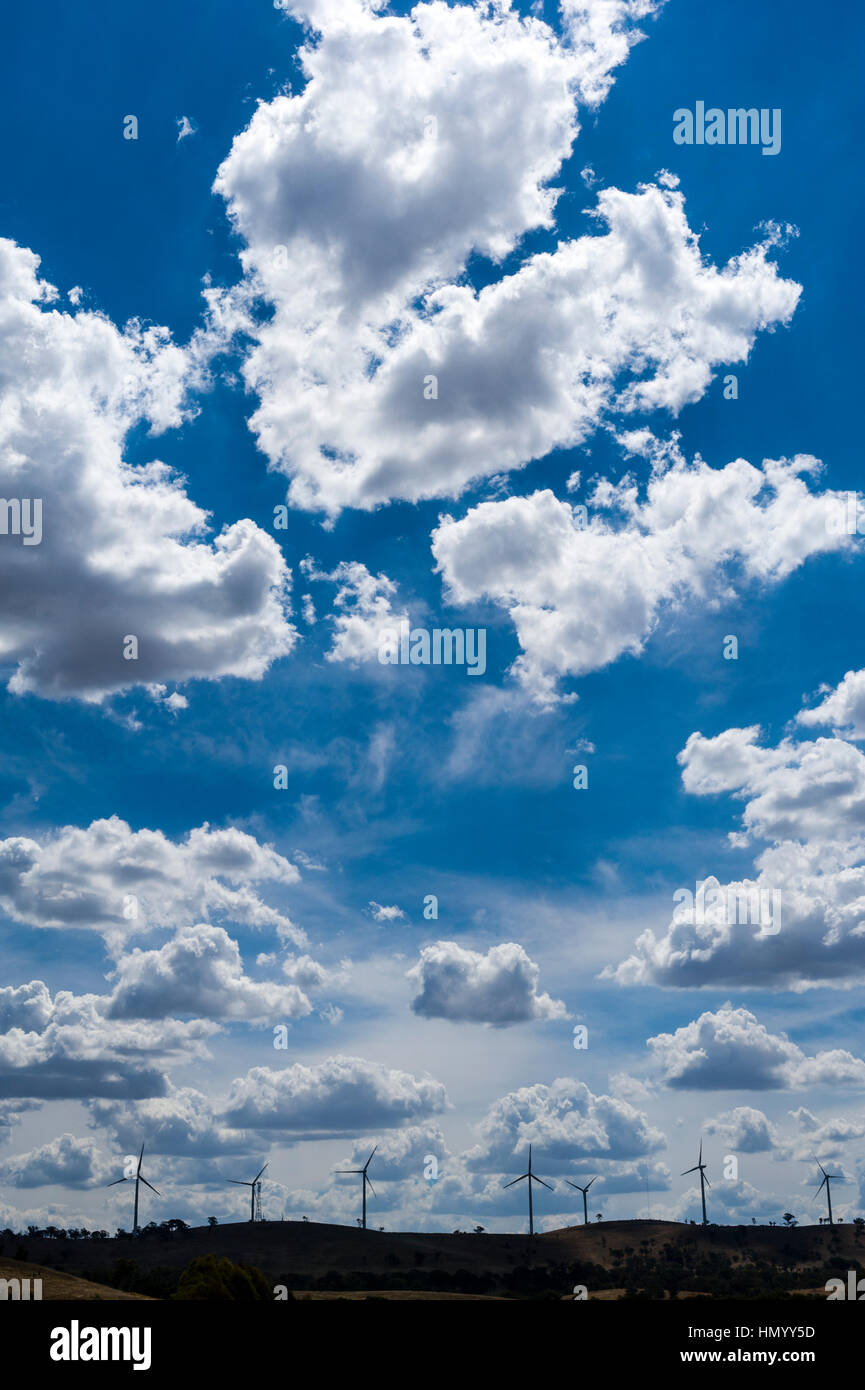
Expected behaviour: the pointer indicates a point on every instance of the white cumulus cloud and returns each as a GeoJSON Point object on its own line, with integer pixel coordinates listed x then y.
{"type": "Point", "coordinates": [339, 1096]}
{"type": "Point", "coordinates": [804, 799]}
{"type": "Point", "coordinates": [124, 550]}
{"type": "Point", "coordinates": [109, 878]}
{"type": "Point", "coordinates": [499, 988]}
{"type": "Point", "coordinates": [200, 972]}
{"type": "Point", "coordinates": [730, 1050]}
{"type": "Point", "coordinates": [583, 593]}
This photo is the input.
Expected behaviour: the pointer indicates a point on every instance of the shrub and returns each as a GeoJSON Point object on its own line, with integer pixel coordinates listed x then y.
{"type": "Point", "coordinates": [212, 1280]}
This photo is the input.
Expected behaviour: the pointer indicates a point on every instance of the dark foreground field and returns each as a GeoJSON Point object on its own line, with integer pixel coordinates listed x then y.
{"type": "Point", "coordinates": [614, 1259]}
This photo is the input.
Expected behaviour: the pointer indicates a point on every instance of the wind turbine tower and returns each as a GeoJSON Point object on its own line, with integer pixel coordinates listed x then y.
{"type": "Point", "coordinates": [255, 1191]}
{"type": "Point", "coordinates": [828, 1179]}
{"type": "Point", "coordinates": [532, 1178]}
{"type": "Point", "coordinates": [366, 1179]}
{"type": "Point", "coordinates": [700, 1167]}
{"type": "Point", "coordinates": [139, 1178]}
{"type": "Point", "coordinates": [584, 1191]}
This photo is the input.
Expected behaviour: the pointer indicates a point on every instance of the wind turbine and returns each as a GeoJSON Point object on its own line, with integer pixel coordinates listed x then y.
{"type": "Point", "coordinates": [700, 1167]}
{"type": "Point", "coordinates": [584, 1191]}
{"type": "Point", "coordinates": [138, 1178]}
{"type": "Point", "coordinates": [239, 1182]}
{"type": "Point", "coordinates": [828, 1178]}
{"type": "Point", "coordinates": [532, 1178]}
{"type": "Point", "coordinates": [366, 1179]}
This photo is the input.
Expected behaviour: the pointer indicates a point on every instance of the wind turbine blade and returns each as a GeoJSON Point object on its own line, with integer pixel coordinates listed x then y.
{"type": "Point", "coordinates": [700, 1159]}
{"type": "Point", "coordinates": [371, 1188]}
{"type": "Point", "coordinates": [259, 1173]}
{"type": "Point", "coordinates": [542, 1183]}
{"type": "Point", "coordinates": [516, 1180]}
{"type": "Point", "coordinates": [369, 1160]}
{"type": "Point", "coordinates": [591, 1180]}
{"type": "Point", "coordinates": [348, 1170]}
{"type": "Point", "coordinates": [706, 1181]}
{"type": "Point", "coordinates": [152, 1188]}
{"type": "Point", "coordinates": [573, 1184]}
{"type": "Point", "coordinates": [687, 1171]}
{"type": "Point", "coordinates": [116, 1181]}
{"type": "Point", "coordinates": [238, 1182]}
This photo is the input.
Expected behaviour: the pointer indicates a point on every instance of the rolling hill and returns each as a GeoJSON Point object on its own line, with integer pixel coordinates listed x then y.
{"type": "Point", "coordinates": [651, 1258]}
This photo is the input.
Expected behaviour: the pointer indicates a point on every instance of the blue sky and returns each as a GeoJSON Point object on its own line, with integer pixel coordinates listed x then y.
{"type": "Point", "coordinates": [401, 781]}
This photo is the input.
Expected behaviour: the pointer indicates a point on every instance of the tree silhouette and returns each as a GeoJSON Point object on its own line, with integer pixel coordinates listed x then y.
{"type": "Point", "coordinates": [212, 1280]}
{"type": "Point", "coordinates": [790, 1220]}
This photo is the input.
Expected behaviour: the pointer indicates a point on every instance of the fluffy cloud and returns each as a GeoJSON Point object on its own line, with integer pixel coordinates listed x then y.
{"type": "Point", "coordinates": [731, 1051]}
{"type": "Point", "coordinates": [339, 1096]}
{"type": "Point", "coordinates": [807, 798]}
{"type": "Point", "coordinates": [117, 881]}
{"type": "Point", "coordinates": [842, 709]}
{"type": "Point", "coordinates": [566, 1122]}
{"type": "Point", "coordinates": [78, 1053]}
{"type": "Point", "coordinates": [362, 609]}
{"type": "Point", "coordinates": [744, 1130]}
{"type": "Point", "coordinates": [123, 548]}
{"type": "Point", "coordinates": [66, 1160]}
{"type": "Point", "coordinates": [199, 972]}
{"type": "Point", "coordinates": [27, 1007]}
{"type": "Point", "coordinates": [400, 1155]}
{"type": "Point", "coordinates": [479, 382]}
{"type": "Point", "coordinates": [826, 1138]}
{"type": "Point", "coordinates": [500, 988]}
{"type": "Point", "coordinates": [739, 1200]}
{"type": "Point", "coordinates": [794, 791]}
{"type": "Point", "coordinates": [181, 1124]}
{"type": "Point", "coordinates": [581, 593]}
{"type": "Point", "coordinates": [358, 185]}
{"type": "Point", "coordinates": [381, 912]}
{"type": "Point", "coordinates": [311, 974]}
{"type": "Point", "coordinates": [356, 229]}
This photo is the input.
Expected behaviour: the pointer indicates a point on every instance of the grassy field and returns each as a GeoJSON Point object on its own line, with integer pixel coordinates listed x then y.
{"type": "Point", "coordinates": [59, 1287]}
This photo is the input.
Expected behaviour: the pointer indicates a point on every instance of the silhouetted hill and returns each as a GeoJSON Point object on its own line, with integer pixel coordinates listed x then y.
{"type": "Point", "coordinates": [645, 1258]}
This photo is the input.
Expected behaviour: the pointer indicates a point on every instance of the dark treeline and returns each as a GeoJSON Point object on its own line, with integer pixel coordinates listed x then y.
{"type": "Point", "coordinates": [666, 1274]}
